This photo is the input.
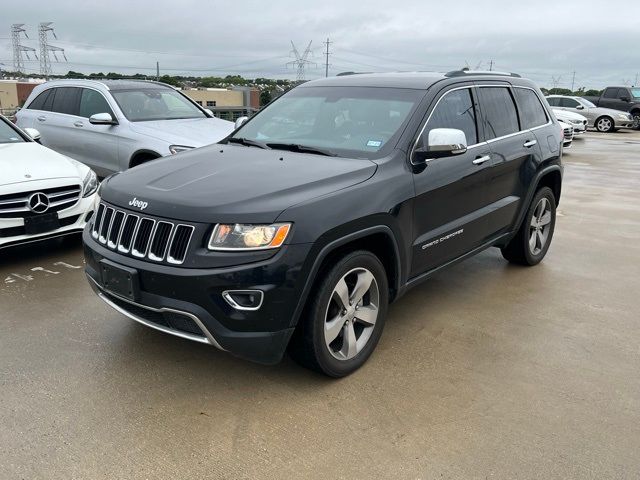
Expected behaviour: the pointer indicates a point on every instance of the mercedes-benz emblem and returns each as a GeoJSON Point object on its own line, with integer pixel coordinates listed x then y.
{"type": "Point", "coordinates": [39, 202]}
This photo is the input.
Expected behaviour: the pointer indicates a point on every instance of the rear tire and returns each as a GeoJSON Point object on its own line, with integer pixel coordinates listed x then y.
{"type": "Point", "coordinates": [345, 316]}
{"type": "Point", "coordinates": [531, 243]}
{"type": "Point", "coordinates": [604, 124]}
{"type": "Point", "coordinates": [636, 119]}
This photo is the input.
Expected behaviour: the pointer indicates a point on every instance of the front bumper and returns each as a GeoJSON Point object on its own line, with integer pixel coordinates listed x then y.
{"type": "Point", "coordinates": [72, 220]}
{"type": "Point", "coordinates": [188, 302]}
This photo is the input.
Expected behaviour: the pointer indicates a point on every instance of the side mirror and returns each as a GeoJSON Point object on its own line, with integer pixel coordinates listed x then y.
{"type": "Point", "coordinates": [240, 121]}
{"type": "Point", "coordinates": [101, 119]}
{"type": "Point", "coordinates": [442, 142]}
{"type": "Point", "coordinates": [580, 107]}
{"type": "Point", "coordinates": [33, 133]}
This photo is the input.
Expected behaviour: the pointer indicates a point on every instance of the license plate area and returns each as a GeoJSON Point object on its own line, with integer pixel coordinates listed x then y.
{"type": "Point", "coordinates": [41, 223]}
{"type": "Point", "coordinates": [119, 280]}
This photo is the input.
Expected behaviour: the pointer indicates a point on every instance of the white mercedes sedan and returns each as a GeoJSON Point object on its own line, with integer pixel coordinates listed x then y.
{"type": "Point", "coordinates": [42, 194]}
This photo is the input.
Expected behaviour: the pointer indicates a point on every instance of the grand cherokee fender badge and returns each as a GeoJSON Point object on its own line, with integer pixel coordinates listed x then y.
{"type": "Point", "coordinates": [442, 239]}
{"type": "Point", "coordinates": [138, 204]}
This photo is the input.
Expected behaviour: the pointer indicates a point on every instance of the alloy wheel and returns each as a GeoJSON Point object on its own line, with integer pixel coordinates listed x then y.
{"type": "Point", "coordinates": [540, 226]}
{"type": "Point", "coordinates": [604, 125]}
{"type": "Point", "coordinates": [351, 314]}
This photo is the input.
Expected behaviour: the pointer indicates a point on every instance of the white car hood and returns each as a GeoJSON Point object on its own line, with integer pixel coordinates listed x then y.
{"type": "Point", "coordinates": [569, 115]}
{"type": "Point", "coordinates": [30, 161]}
{"type": "Point", "coordinates": [191, 132]}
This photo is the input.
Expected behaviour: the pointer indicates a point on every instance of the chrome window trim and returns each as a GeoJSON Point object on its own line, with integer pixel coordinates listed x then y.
{"type": "Point", "coordinates": [426, 122]}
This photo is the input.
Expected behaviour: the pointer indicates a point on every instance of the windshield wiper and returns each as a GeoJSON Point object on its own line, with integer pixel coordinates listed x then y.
{"type": "Point", "coordinates": [247, 142]}
{"type": "Point", "coordinates": [294, 147]}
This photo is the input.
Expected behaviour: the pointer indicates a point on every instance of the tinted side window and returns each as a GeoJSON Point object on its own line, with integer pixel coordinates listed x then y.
{"type": "Point", "coordinates": [39, 101]}
{"type": "Point", "coordinates": [532, 113]}
{"type": "Point", "coordinates": [92, 102]}
{"type": "Point", "coordinates": [455, 110]}
{"type": "Point", "coordinates": [66, 100]}
{"type": "Point", "coordinates": [610, 93]}
{"type": "Point", "coordinates": [553, 101]}
{"type": "Point", "coordinates": [569, 103]}
{"type": "Point", "coordinates": [499, 110]}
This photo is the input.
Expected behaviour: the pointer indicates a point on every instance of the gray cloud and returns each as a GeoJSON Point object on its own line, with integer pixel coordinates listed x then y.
{"type": "Point", "coordinates": [538, 39]}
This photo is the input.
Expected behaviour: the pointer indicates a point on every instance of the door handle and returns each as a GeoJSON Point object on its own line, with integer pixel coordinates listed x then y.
{"type": "Point", "coordinates": [42, 118]}
{"type": "Point", "coordinates": [78, 123]}
{"type": "Point", "coordinates": [529, 143]}
{"type": "Point", "coordinates": [481, 160]}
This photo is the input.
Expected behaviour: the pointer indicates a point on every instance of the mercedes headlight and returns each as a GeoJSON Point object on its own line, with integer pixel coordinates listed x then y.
{"type": "Point", "coordinates": [238, 237]}
{"type": "Point", "coordinates": [179, 148]}
{"type": "Point", "coordinates": [89, 184]}
{"type": "Point", "coordinates": [623, 116]}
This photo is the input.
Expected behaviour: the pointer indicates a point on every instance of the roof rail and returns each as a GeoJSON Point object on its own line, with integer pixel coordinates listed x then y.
{"type": "Point", "coordinates": [345, 74]}
{"type": "Point", "coordinates": [462, 73]}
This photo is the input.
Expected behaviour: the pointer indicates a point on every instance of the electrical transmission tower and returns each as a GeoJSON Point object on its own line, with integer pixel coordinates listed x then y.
{"type": "Point", "coordinates": [556, 81]}
{"type": "Point", "coordinates": [45, 48]}
{"type": "Point", "coordinates": [301, 61]}
{"type": "Point", "coordinates": [18, 48]}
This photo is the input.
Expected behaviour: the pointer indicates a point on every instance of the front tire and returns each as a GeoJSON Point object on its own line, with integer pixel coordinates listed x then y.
{"type": "Point", "coordinates": [531, 243]}
{"type": "Point", "coordinates": [605, 124]}
{"type": "Point", "coordinates": [345, 317]}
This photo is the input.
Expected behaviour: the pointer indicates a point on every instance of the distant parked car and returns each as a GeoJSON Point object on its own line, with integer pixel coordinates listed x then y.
{"type": "Point", "coordinates": [602, 119]}
{"type": "Point", "coordinates": [626, 99]}
{"type": "Point", "coordinates": [567, 134]}
{"type": "Point", "coordinates": [577, 121]}
{"type": "Point", "coordinates": [42, 194]}
{"type": "Point", "coordinates": [112, 125]}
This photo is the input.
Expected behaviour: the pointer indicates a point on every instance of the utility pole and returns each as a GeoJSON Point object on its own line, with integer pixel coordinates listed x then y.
{"type": "Point", "coordinates": [573, 81]}
{"type": "Point", "coordinates": [157, 71]}
{"type": "Point", "coordinates": [45, 62]}
{"type": "Point", "coordinates": [327, 53]}
{"type": "Point", "coordinates": [491, 65]}
{"type": "Point", "coordinates": [18, 48]}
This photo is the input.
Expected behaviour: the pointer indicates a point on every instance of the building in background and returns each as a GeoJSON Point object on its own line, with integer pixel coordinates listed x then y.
{"type": "Point", "coordinates": [228, 104]}
{"type": "Point", "coordinates": [13, 94]}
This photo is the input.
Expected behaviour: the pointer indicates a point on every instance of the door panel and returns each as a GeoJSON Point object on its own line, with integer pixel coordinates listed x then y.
{"type": "Point", "coordinates": [450, 206]}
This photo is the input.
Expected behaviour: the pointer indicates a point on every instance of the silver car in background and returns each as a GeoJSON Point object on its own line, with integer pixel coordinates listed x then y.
{"type": "Point", "coordinates": [112, 125]}
{"type": "Point", "coordinates": [602, 119]}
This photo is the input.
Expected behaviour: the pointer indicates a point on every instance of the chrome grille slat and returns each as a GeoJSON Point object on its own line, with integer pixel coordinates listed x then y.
{"type": "Point", "coordinates": [16, 205]}
{"type": "Point", "coordinates": [141, 236]}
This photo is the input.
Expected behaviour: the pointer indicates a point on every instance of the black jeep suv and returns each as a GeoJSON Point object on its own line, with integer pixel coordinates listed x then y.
{"type": "Point", "coordinates": [298, 229]}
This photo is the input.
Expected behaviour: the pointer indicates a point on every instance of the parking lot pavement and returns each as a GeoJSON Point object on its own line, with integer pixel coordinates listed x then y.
{"type": "Point", "coordinates": [487, 370]}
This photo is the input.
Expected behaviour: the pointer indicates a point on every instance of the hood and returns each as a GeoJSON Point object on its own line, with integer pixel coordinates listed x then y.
{"type": "Point", "coordinates": [568, 115]}
{"type": "Point", "coordinates": [30, 161]}
{"type": "Point", "coordinates": [191, 132]}
{"type": "Point", "coordinates": [606, 111]}
{"type": "Point", "coordinates": [231, 183]}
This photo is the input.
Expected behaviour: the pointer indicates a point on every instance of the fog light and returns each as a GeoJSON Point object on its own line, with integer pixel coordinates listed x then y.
{"type": "Point", "coordinates": [244, 299]}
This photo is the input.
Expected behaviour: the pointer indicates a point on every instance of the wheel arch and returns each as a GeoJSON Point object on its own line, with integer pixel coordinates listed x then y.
{"type": "Point", "coordinates": [141, 154]}
{"type": "Point", "coordinates": [378, 239]}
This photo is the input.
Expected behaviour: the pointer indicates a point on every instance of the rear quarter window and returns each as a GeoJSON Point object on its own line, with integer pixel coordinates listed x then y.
{"type": "Point", "coordinates": [532, 113]}
{"type": "Point", "coordinates": [39, 102]}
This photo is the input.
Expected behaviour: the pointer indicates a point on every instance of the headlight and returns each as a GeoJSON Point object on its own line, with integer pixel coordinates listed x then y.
{"type": "Point", "coordinates": [624, 116]}
{"type": "Point", "coordinates": [248, 237]}
{"type": "Point", "coordinates": [179, 148]}
{"type": "Point", "coordinates": [89, 184]}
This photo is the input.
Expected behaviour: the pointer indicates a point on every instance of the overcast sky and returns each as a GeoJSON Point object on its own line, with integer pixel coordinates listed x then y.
{"type": "Point", "coordinates": [540, 39]}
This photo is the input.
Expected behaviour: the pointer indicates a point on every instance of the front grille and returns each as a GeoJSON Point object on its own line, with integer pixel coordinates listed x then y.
{"type": "Point", "coordinates": [15, 231]}
{"type": "Point", "coordinates": [16, 205]}
{"type": "Point", "coordinates": [568, 133]}
{"type": "Point", "coordinates": [141, 237]}
{"type": "Point", "coordinates": [172, 320]}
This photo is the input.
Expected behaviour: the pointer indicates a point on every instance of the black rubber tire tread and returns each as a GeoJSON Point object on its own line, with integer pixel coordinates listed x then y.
{"type": "Point", "coordinates": [517, 250]}
{"type": "Point", "coordinates": [307, 345]}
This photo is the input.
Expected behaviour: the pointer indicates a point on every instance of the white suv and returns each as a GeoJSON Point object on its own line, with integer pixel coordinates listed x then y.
{"type": "Point", "coordinates": [112, 125]}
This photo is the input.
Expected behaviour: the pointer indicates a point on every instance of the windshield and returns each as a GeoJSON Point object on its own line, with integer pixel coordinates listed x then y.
{"type": "Point", "coordinates": [635, 92]}
{"type": "Point", "coordinates": [585, 102]}
{"type": "Point", "coordinates": [354, 120]}
{"type": "Point", "coordinates": [8, 134]}
{"type": "Point", "coordinates": [155, 104]}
